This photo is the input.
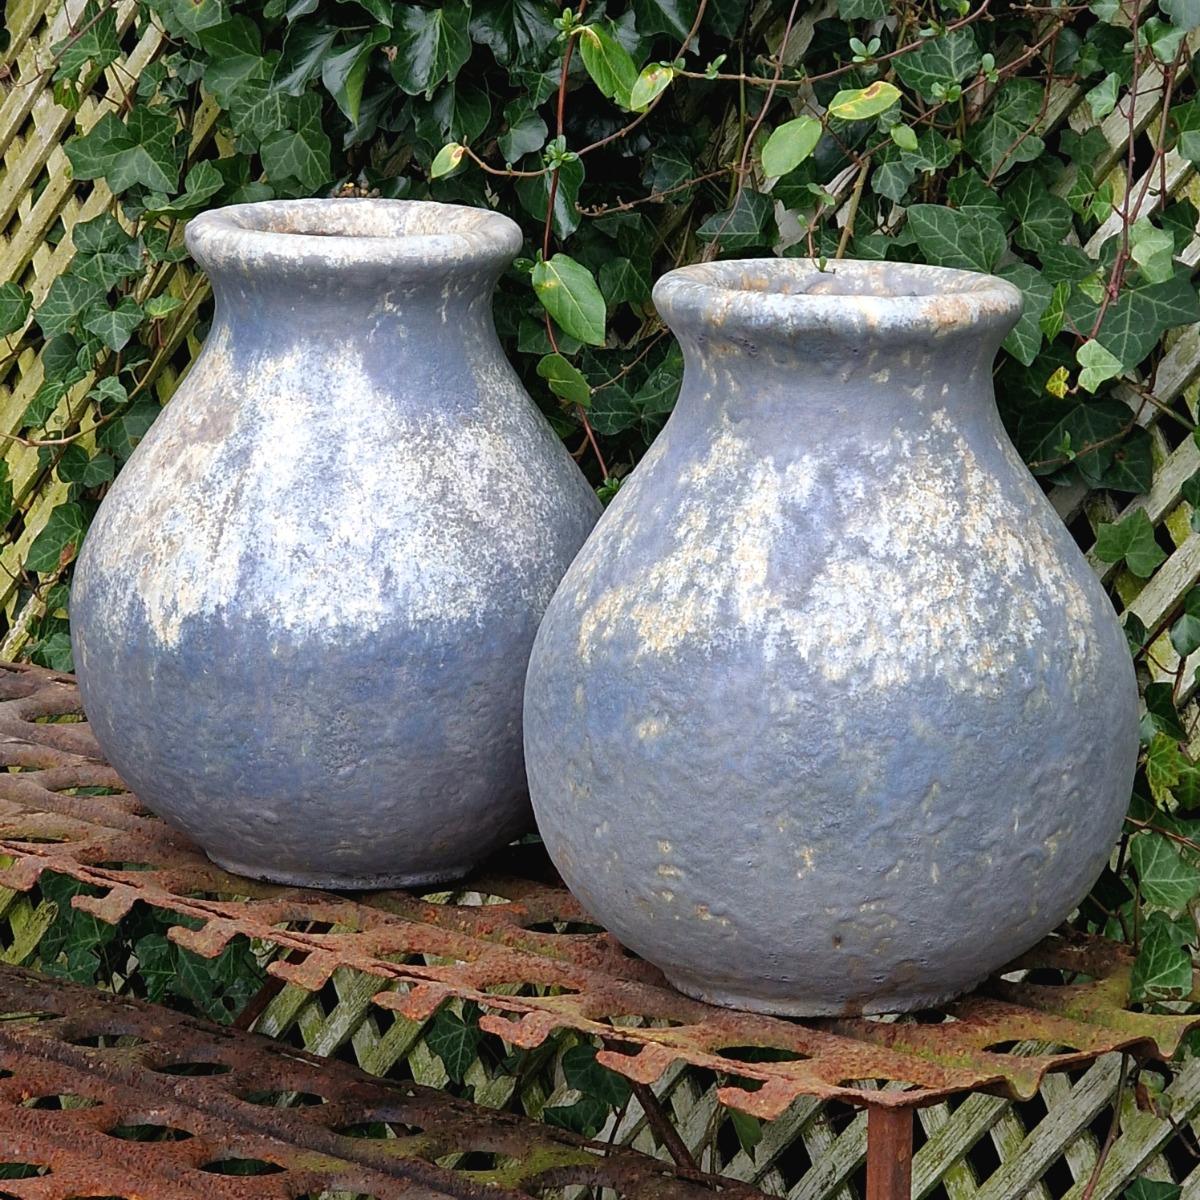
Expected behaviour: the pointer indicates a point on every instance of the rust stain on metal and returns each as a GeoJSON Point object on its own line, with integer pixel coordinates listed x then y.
{"type": "Point", "coordinates": [514, 940]}
{"type": "Point", "coordinates": [104, 1094]}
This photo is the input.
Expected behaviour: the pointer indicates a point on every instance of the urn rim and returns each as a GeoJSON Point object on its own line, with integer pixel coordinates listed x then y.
{"type": "Point", "coordinates": [796, 296]}
{"type": "Point", "coordinates": [410, 237]}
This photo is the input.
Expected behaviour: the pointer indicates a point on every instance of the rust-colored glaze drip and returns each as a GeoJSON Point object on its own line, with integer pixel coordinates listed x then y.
{"type": "Point", "coordinates": [102, 1095]}
{"type": "Point", "coordinates": [889, 1153]}
{"type": "Point", "coordinates": [513, 940]}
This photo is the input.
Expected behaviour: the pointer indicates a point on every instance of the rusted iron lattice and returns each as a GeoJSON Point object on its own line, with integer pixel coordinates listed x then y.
{"type": "Point", "coordinates": [103, 1092]}
{"type": "Point", "coordinates": [515, 942]}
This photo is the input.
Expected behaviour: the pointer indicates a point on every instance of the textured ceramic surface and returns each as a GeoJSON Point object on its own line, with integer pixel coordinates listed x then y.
{"type": "Point", "coordinates": [830, 714]}
{"type": "Point", "coordinates": [302, 616]}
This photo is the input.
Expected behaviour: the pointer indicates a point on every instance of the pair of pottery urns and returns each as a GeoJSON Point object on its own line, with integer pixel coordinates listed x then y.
{"type": "Point", "coordinates": [826, 714]}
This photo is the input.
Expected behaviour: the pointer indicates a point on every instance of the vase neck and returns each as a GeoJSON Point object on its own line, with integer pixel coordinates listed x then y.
{"type": "Point", "coordinates": [835, 384]}
{"type": "Point", "coordinates": [862, 343]}
{"type": "Point", "coordinates": [322, 268]}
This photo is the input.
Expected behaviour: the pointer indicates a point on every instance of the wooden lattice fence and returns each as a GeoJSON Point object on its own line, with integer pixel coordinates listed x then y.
{"type": "Point", "coordinates": [980, 1147]}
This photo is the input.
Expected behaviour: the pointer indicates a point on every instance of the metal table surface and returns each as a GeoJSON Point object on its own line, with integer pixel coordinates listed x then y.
{"type": "Point", "coordinates": [514, 941]}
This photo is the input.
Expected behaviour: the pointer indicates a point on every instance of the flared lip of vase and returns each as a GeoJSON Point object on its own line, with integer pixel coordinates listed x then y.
{"type": "Point", "coordinates": [407, 237]}
{"type": "Point", "coordinates": [787, 297]}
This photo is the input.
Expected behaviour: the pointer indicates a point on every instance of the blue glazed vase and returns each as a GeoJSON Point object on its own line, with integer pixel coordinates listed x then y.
{"type": "Point", "coordinates": [302, 615]}
{"type": "Point", "coordinates": [830, 714]}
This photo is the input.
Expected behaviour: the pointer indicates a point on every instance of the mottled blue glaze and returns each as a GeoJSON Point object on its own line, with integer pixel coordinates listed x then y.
{"type": "Point", "coordinates": [830, 714]}
{"type": "Point", "coordinates": [302, 616]}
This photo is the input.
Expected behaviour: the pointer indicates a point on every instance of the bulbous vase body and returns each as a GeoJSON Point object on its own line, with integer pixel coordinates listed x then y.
{"type": "Point", "coordinates": [302, 615]}
{"type": "Point", "coordinates": [830, 714]}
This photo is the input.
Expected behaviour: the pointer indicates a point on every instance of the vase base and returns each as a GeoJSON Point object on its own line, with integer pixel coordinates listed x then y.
{"type": "Point", "coordinates": [341, 883]}
{"type": "Point", "coordinates": [801, 1006]}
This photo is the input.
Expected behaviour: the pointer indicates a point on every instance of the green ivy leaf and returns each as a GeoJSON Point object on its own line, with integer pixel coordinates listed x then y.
{"type": "Point", "coordinates": [608, 63]}
{"type": "Point", "coordinates": [1165, 766]}
{"type": "Point", "coordinates": [1131, 541]}
{"type": "Point", "coordinates": [122, 434]}
{"type": "Point", "coordinates": [1098, 365]}
{"type": "Point", "coordinates": [623, 281]}
{"type": "Point", "coordinates": [525, 132]}
{"type": "Point", "coordinates": [190, 17]}
{"type": "Point", "coordinates": [344, 73]}
{"type": "Point", "coordinates": [860, 104]}
{"type": "Point", "coordinates": [77, 466]}
{"type": "Point", "coordinates": [1183, 13]}
{"type": "Point", "coordinates": [566, 381]}
{"type": "Point", "coordinates": [586, 1075]}
{"type": "Point", "coordinates": [70, 297]}
{"type": "Point", "coordinates": [585, 1117]}
{"type": "Point", "coordinates": [14, 308]}
{"type": "Point", "coordinates": [534, 195]}
{"type": "Point", "coordinates": [939, 62]}
{"type": "Point", "coordinates": [59, 540]}
{"type": "Point", "coordinates": [305, 48]}
{"type": "Point", "coordinates": [1163, 968]}
{"type": "Point", "coordinates": [948, 238]}
{"type": "Point", "coordinates": [454, 1041]}
{"type": "Point", "coordinates": [53, 651]}
{"type": "Point", "coordinates": [1153, 250]}
{"type": "Point", "coordinates": [234, 58]}
{"type": "Point", "coordinates": [862, 10]}
{"type": "Point", "coordinates": [203, 182]}
{"type": "Point", "coordinates": [1132, 466]}
{"type": "Point", "coordinates": [1043, 219]}
{"type": "Point", "coordinates": [1136, 321]}
{"type": "Point", "coordinates": [518, 32]}
{"type": "Point", "coordinates": [789, 145]}
{"type": "Point", "coordinates": [614, 410]}
{"type": "Point", "coordinates": [114, 327]}
{"type": "Point", "coordinates": [1164, 878]}
{"type": "Point", "coordinates": [1102, 99]}
{"type": "Point", "coordinates": [141, 151]}
{"type": "Point", "coordinates": [299, 154]}
{"type": "Point", "coordinates": [1185, 633]}
{"type": "Point", "coordinates": [94, 46]}
{"type": "Point", "coordinates": [672, 17]}
{"type": "Point", "coordinates": [744, 226]}
{"type": "Point", "coordinates": [1153, 1189]}
{"type": "Point", "coordinates": [1003, 140]}
{"type": "Point", "coordinates": [104, 253]}
{"type": "Point", "coordinates": [1025, 340]}
{"type": "Point", "coordinates": [569, 293]}
{"type": "Point", "coordinates": [1161, 714]}
{"type": "Point", "coordinates": [432, 44]}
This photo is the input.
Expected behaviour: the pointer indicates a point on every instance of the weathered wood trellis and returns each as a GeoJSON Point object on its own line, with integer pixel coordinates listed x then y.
{"type": "Point", "coordinates": [984, 1147]}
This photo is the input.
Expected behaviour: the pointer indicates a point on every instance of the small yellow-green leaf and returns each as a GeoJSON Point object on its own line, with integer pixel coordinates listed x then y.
{"type": "Point", "coordinates": [1058, 382]}
{"type": "Point", "coordinates": [650, 84]}
{"type": "Point", "coordinates": [859, 104]}
{"type": "Point", "coordinates": [905, 137]}
{"type": "Point", "coordinates": [789, 145]}
{"type": "Point", "coordinates": [447, 159]}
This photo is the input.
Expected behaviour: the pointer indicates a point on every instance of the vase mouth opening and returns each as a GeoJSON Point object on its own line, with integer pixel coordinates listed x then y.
{"type": "Point", "coordinates": [410, 237]}
{"type": "Point", "coordinates": [793, 296]}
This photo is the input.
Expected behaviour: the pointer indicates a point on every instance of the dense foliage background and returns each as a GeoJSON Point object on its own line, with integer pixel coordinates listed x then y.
{"type": "Point", "coordinates": [629, 136]}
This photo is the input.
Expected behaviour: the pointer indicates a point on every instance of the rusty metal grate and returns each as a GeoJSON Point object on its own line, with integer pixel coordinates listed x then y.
{"type": "Point", "coordinates": [514, 941]}
{"type": "Point", "coordinates": [103, 1092]}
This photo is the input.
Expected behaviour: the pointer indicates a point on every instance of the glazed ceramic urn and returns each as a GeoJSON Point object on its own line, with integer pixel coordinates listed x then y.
{"type": "Point", "coordinates": [830, 714]}
{"type": "Point", "coordinates": [302, 616]}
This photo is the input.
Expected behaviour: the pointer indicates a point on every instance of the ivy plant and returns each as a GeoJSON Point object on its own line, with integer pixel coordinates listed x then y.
{"type": "Point", "coordinates": [630, 136]}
